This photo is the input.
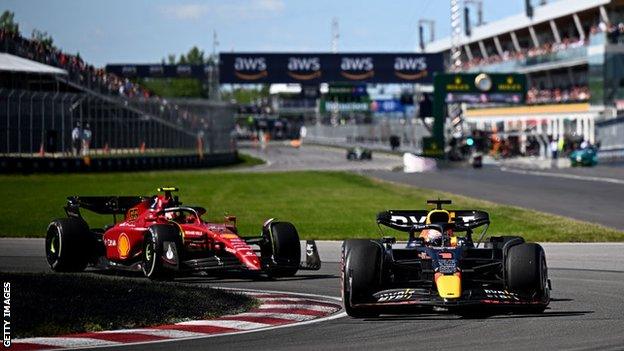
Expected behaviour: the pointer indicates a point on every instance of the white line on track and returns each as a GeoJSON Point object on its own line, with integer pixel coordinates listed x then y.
{"type": "Point", "coordinates": [289, 299]}
{"type": "Point", "coordinates": [298, 306]}
{"type": "Point", "coordinates": [169, 333]}
{"type": "Point", "coordinates": [235, 324]}
{"type": "Point", "coordinates": [287, 316]}
{"type": "Point", "coordinates": [70, 342]}
{"type": "Point", "coordinates": [566, 176]}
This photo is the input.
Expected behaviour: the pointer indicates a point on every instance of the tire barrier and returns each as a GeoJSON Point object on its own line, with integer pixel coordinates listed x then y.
{"type": "Point", "coordinates": [27, 165]}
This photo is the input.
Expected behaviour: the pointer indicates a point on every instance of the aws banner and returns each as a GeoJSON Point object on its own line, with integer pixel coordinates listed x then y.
{"type": "Point", "coordinates": [309, 68]}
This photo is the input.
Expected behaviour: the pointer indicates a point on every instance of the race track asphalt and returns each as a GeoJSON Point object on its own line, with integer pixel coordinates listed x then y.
{"type": "Point", "coordinates": [583, 198]}
{"type": "Point", "coordinates": [588, 194]}
{"type": "Point", "coordinates": [588, 279]}
{"type": "Point", "coordinates": [585, 313]}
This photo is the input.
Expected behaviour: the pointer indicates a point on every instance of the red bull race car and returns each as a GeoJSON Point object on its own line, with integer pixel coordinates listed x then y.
{"type": "Point", "coordinates": [161, 238]}
{"type": "Point", "coordinates": [440, 269]}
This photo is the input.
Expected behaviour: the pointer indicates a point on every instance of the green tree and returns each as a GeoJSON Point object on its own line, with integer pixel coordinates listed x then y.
{"type": "Point", "coordinates": [171, 59]}
{"type": "Point", "coordinates": [246, 95]}
{"type": "Point", "coordinates": [43, 37]}
{"type": "Point", "coordinates": [7, 22]}
{"type": "Point", "coordinates": [195, 56]}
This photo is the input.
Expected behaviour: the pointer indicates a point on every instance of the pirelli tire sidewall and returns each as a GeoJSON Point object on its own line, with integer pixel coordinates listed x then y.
{"type": "Point", "coordinates": [360, 275]}
{"type": "Point", "coordinates": [162, 252]}
{"type": "Point", "coordinates": [527, 271]}
{"type": "Point", "coordinates": [69, 245]}
{"type": "Point", "coordinates": [285, 249]}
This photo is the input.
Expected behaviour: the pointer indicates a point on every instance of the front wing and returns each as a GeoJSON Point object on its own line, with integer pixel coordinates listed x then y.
{"type": "Point", "coordinates": [470, 297]}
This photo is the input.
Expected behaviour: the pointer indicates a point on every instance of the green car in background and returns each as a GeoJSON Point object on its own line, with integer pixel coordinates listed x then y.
{"type": "Point", "coordinates": [584, 157]}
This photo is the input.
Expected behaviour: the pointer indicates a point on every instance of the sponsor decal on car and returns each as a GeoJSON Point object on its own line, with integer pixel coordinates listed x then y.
{"type": "Point", "coordinates": [133, 214]}
{"type": "Point", "coordinates": [110, 242]}
{"type": "Point", "coordinates": [395, 295]}
{"type": "Point", "coordinates": [123, 245]}
{"type": "Point", "coordinates": [501, 295]}
{"type": "Point", "coordinates": [447, 266]}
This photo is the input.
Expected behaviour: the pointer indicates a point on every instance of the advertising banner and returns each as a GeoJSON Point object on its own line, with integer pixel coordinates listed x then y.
{"type": "Point", "coordinates": [387, 106]}
{"type": "Point", "coordinates": [310, 68]}
{"type": "Point", "coordinates": [160, 71]}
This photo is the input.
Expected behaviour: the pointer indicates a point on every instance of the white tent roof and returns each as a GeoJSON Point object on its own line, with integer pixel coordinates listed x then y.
{"type": "Point", "coordinates": [14, 63]}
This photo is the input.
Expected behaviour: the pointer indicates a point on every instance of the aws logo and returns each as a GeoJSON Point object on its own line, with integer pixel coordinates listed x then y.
{"type": "Point", "coordinates": [304, 68]}
{"type": "Point", "coordinates": [250, 68]}
{"type": "Point", "coordinates": [357, 68]}
{"type": "Point", "coordinates": [410, 68]}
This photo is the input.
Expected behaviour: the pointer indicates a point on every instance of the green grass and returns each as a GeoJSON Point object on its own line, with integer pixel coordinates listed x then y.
{"type": "Point", "coordinates": [245, 160]}
{"type": "Point", "coordinates": [42, 303]}
{"type": "Point", "coordinates": [323, 205]}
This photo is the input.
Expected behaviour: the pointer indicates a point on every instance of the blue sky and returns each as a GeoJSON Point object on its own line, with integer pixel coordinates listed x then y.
{"type": "Point", "coordinates": [141, 31]}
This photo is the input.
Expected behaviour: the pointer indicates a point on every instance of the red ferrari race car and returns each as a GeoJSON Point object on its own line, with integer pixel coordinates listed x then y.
{"type": "Point", "coordinates": [162, 238]}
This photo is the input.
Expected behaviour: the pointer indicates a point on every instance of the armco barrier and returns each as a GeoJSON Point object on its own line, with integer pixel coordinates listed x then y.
{"type": "Point", "coordinates": [112, 164]}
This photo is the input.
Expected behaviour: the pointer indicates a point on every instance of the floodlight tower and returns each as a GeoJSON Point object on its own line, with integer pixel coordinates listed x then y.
{"type": "Point", "coordinates": [421, 32]}
{"type": "Point", "coordinates": [335, 35]}
{"type": "Point", "coordinates": [215, 44]}
{"type": "Point", "coordinates": [455, 59]}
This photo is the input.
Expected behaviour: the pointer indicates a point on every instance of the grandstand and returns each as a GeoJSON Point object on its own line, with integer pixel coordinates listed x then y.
{"type": "Point", "coordinates": [572, 54]}
{"type": "Point", "coordinates": [46, 93]}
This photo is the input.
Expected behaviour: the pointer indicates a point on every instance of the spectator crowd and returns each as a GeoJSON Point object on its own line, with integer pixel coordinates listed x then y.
{"type": "Point", "coordinates": [544, 49]}
{"type": "Point", "coordinates": [96, 79]}
{"type": "Point", "coordinates": [557, 95]}
{"type": "Point", "coordinates": [13, 42]}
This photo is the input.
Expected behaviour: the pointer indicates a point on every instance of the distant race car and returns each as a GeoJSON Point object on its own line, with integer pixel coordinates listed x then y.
{"type": "Point", "coordinates": [359, 153]}
{"type": "Point", "coordinates": [584, 157]}
{"type": "Point", "coordinates": [437, 268]}
{"type": "Point", "coordinates": [162, 238]}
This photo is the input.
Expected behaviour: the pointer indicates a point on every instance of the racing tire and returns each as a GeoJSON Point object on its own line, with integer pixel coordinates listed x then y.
{"type": "Point", "coordinates": [68, 245]}
{"type": "Point", "coordinates": [527, 272]}
{"type": "Point", "coordinates": [286, 249]}
{"type": "Point", "coordinates": [161, 242]}
{"type": "Point", "coordinates": [360, 275]}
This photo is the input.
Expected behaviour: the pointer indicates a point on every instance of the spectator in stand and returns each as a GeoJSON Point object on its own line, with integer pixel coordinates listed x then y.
{"type": "Point", "coordinates": [554, 148]}
{"type": "Point", "coordinates": [76, 137]}
{"type": "Point", "coordinates": [86, 139]}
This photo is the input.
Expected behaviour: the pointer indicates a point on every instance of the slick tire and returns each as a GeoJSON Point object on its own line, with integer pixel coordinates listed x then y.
{"type": "Point", "coordinates": [68, 245]}
{"type": "Point", "coordinates": [360, 275]}
{"type": "Point", "coordinates": [526, 271]}
{"type": "Point", "coordinates": [286, 249]}
{"type": "Point", "coordinates": [161, 252]}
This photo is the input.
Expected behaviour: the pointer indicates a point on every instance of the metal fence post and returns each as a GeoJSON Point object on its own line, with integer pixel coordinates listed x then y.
{"type": "Point", "coordinates": [19, 124]}
{"type": "Point", "coordinates": [43, 129]}
{"type": "Point", "coordinates": [31, 131]}
{"type": "Point", "coordinates": [8, 123]}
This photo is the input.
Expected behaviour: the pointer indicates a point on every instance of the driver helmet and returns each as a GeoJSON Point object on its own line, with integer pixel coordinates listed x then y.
{"type": "Point", "coordinates": [173, 216]}
{"type": "Point", "coordinates": [432, 237]}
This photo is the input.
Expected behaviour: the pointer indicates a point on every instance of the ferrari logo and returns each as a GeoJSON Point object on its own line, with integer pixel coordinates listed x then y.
{"type": "Point", "coordinates": [133, 214]}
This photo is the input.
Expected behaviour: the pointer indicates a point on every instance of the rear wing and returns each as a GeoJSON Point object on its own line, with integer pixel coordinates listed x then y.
{"type": "Point", "coordinates": [102, 204]}
{"type": "Point", "coordinates": [404, 220]}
